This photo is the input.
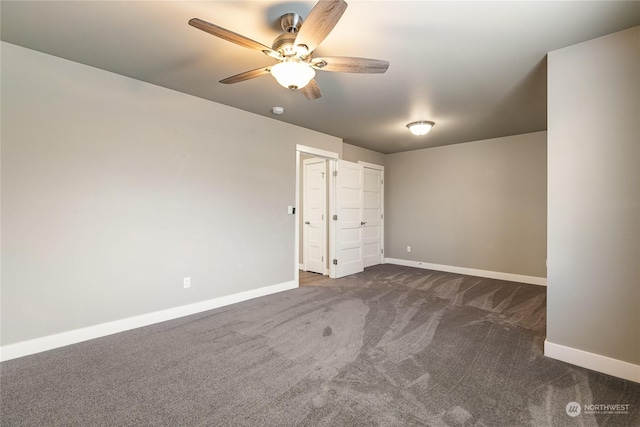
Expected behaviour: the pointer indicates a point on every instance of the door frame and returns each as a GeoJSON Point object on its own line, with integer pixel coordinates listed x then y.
{"type": "Point", "coordinates": [332, 158]}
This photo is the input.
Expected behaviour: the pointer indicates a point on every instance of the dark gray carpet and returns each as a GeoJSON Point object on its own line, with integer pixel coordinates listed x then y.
{"type": "Point", "coordinates": [390, 346]}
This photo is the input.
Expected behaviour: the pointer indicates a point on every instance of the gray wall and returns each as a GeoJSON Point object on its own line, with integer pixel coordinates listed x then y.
{"type": "Point", "coordinates": [113, 190]}
{"type": "Point", "coordinates": [479, 205]}
{"type": "Point", "coordinates": [354, 153]}
{"type": "Point", "coordinates": [594, 196]}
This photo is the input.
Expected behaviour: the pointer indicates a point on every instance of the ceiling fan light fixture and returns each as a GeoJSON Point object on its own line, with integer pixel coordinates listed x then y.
{"type": "Point", "coordinates": [293, 74]}
{"type": "Point", "coordinates": [294, 49]}
{"type": "Point", "coordinates": [421, 127]}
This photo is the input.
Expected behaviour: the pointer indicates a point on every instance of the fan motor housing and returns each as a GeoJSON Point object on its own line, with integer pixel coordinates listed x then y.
{"type": "Point", "coordinates": [284, 44]}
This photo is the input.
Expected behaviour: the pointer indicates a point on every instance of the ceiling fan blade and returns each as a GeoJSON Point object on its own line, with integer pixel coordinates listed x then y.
{"type": "Point", "coordinates": [343, 64]}
{"type": "Point", "coordinates": [311, 90]}
{"type": "Point", "coordinates": [321, 20]}
{"type": "Point", "coordinates": [247, 75]}
{"type": "Point", "coordinates": [232, 37]}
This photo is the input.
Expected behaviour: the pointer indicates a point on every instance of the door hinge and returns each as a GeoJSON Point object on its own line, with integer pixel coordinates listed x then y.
{"type": "Point", "coordinates": [322, 258]}
{"type": "Point", "coordinates": [335, 262]}
{"type": "Point", "coordinates": [382, 181]}
{"type": "Point", "coordinates": [381, 251]}
{"type": "Point", "coordinates": [335, 217]}
{"type": "Point", "coordinates": [335, 173]}
{"type": "Point", "coordinates": [381, 216]}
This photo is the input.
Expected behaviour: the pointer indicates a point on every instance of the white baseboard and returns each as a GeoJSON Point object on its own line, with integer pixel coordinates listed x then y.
{"type": "Point", "coordinates": [532, 280]}
{"type": "Point", "coordinates": [37, 345]}
{"type": "Point", "coordinates": [595, 362]}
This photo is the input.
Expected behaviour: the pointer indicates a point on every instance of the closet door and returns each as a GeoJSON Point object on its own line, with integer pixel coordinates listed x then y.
{"type": "Point", "coordinates": [373, 214]}
{"type": "Point", "coordinates": [349, 218]}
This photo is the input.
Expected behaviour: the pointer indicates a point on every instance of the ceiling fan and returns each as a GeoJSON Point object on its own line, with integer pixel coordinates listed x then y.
{"type": "Point", "coordinates": [293, 50]}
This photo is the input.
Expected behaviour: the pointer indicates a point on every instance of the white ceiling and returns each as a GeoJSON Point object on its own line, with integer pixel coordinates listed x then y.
{"type": "Point", "coordinates": [478, 69]}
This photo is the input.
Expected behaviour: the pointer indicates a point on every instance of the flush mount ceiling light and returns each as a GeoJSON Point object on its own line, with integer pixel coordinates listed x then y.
{"type": "Point", "coordinates": [420, 128]}
{"type": "Point", "coordinates": [293, 74]}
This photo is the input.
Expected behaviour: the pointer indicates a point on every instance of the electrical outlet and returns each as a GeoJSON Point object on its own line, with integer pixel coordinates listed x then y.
{"type": "Point", "coordinates": [408, 248]}
{"type": "Point", "coordinates": [186, 282]}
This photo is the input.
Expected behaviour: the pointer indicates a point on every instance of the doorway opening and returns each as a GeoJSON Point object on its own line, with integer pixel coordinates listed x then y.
{"type": "Point", "coordinates": [313, 244]}
{"type": "Point", "coordinates": [339, 214]}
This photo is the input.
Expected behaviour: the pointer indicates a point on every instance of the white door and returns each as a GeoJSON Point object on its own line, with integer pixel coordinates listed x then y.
{"type": "Point", "coordinates": [314, 202]}
{"type": "Point", "coordinates": [349, 223]}
{"type": "Point", "coordinates": [373, 216]}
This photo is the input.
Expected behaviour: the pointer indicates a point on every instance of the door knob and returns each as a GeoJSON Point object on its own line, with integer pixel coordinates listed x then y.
{"type": "Point", "coordinates": [307, 223]}
{"type": "Point", "coordinates": [363, 222]}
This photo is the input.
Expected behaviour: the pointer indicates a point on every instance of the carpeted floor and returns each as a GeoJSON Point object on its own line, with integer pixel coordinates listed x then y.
{"type": "Point", "coordinates": [392, 346]}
